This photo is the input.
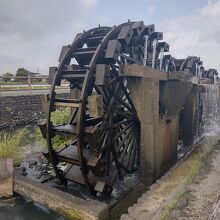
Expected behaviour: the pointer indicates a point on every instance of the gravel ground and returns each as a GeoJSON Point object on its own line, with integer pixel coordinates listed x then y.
{"type": "Point", "coordinates": [201, 196]}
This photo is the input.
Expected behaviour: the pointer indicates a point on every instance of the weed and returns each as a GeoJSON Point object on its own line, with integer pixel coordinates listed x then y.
{"type": "Point", "coordinates": [179, 192]}
{"type": "Point", "coordinates": [11, 144]}
{"type": "Point", "coordinates": [60, 116]}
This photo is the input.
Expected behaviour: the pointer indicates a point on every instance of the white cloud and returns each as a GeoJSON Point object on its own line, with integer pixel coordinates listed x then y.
{"type": "Point", "coordinates": [151, 9]}
{"type": "Point", "coordinates": [88, 3]}
{"type": "Point", "coordinates": [197, 34]}
{"type": "Point", "coordinates": [32, 32]}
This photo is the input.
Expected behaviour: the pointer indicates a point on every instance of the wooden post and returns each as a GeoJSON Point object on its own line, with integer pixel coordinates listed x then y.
{"type": "Point", "coordinates": [95, 104]}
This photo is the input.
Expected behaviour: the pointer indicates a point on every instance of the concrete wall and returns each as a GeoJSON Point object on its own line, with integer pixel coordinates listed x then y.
{"type": "Point", "coordinates": [167, 140]}
{"type": "Point", "coordinates": [189, 119]}
{"type": "Point", "coordinates": [145, 95]}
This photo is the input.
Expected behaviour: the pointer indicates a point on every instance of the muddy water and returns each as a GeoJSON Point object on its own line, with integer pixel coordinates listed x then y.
{"type": "Point", "coordinates": [24, 209]}
{"type": "Point", "coordinates": [27, 210]}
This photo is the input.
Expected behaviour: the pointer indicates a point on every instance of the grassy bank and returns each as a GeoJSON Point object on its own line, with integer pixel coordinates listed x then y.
{"type": "Point", "coordinates": [19, 83]}
{"type": "Point", "coordinates": [177, 194]}
{"type": "Point", "coordinates": [57, 117]}
{"type": "Point", "coordinates": [26, 87]}
{"type": "Point", "coordinates": [11, 144]}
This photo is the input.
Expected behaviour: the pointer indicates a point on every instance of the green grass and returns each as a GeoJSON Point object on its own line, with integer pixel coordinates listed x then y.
{"type": "Point", "coordinates": [171, 205]}
{"type": "Point", "coordinates": [11, 83]}
{"type": "Point", "coordinates": [195, 167]}
{"type": "Point", "coordinates": [11, 144]}
{"type": "Point", "coordinates": [71, 214]}
{"type": "Point", "coordinates": [21, 83]}
{"type": "Point", "coordinates": [58, 117]}
{"type": "Point", "coordinates": [28, 88]}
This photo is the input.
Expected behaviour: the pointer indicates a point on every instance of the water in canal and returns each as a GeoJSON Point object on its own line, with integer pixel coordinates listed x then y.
{"type": "Point", "coordinates": [27, 210]}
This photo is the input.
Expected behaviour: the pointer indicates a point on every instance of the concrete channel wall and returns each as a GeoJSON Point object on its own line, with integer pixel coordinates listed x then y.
{"type": "Point", "coordinates": [69, 205]}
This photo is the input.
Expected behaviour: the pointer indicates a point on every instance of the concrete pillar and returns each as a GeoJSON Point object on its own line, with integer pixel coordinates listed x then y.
{"type": "Point", "coordinates": [6, 177]}
{"type": "Point", "coordinates": [167, 141]}
{"type": "Point", "coordinates": [159, 136]}
{"type": "Point", "coordinates": [159, 130]}
{"type": "Point", "coordinates": [145, 95]}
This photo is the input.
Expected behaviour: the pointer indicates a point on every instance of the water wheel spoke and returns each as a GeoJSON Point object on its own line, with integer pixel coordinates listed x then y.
{"type": "Point", "coordinates": [131, 152]}
{"type": "Point", "coordinates": [126, 105]}
{"type": "Point", "coordinates": [73, 116]}
{"type": "Point", "coordinates": [118, 124]}
{"type": "Point", "coordinates": [124, 130]}
{"type": "Point", "coordinates": [124, 113]}
{"type": "Point", "coordinates": [126, 148]}
{"type": "Point", "coordinates": [124, 140]}
{"type": "Point", "coordinates": [134, 155]}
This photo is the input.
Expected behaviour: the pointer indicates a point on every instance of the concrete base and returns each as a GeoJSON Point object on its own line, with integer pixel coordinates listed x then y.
{"type": "Point", "coordinates": [6, 177]}
{"type": "Point", "coordinates": [59, 201]}
{"type": "Point", "coordinates": [74, 207]}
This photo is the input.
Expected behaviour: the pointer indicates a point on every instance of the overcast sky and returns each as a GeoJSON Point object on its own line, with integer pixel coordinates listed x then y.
{"type": "Point", "coordinates": [33, 31]}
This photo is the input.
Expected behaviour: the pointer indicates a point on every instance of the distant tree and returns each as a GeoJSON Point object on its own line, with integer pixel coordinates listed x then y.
{"type": "Point", "coordinates": [7, 76]}
{"type": "Point", "coordinates": [22, 72]}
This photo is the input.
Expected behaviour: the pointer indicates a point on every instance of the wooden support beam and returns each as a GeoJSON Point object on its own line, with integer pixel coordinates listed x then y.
{"type": "Point", "coordinates": [95, 105]}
